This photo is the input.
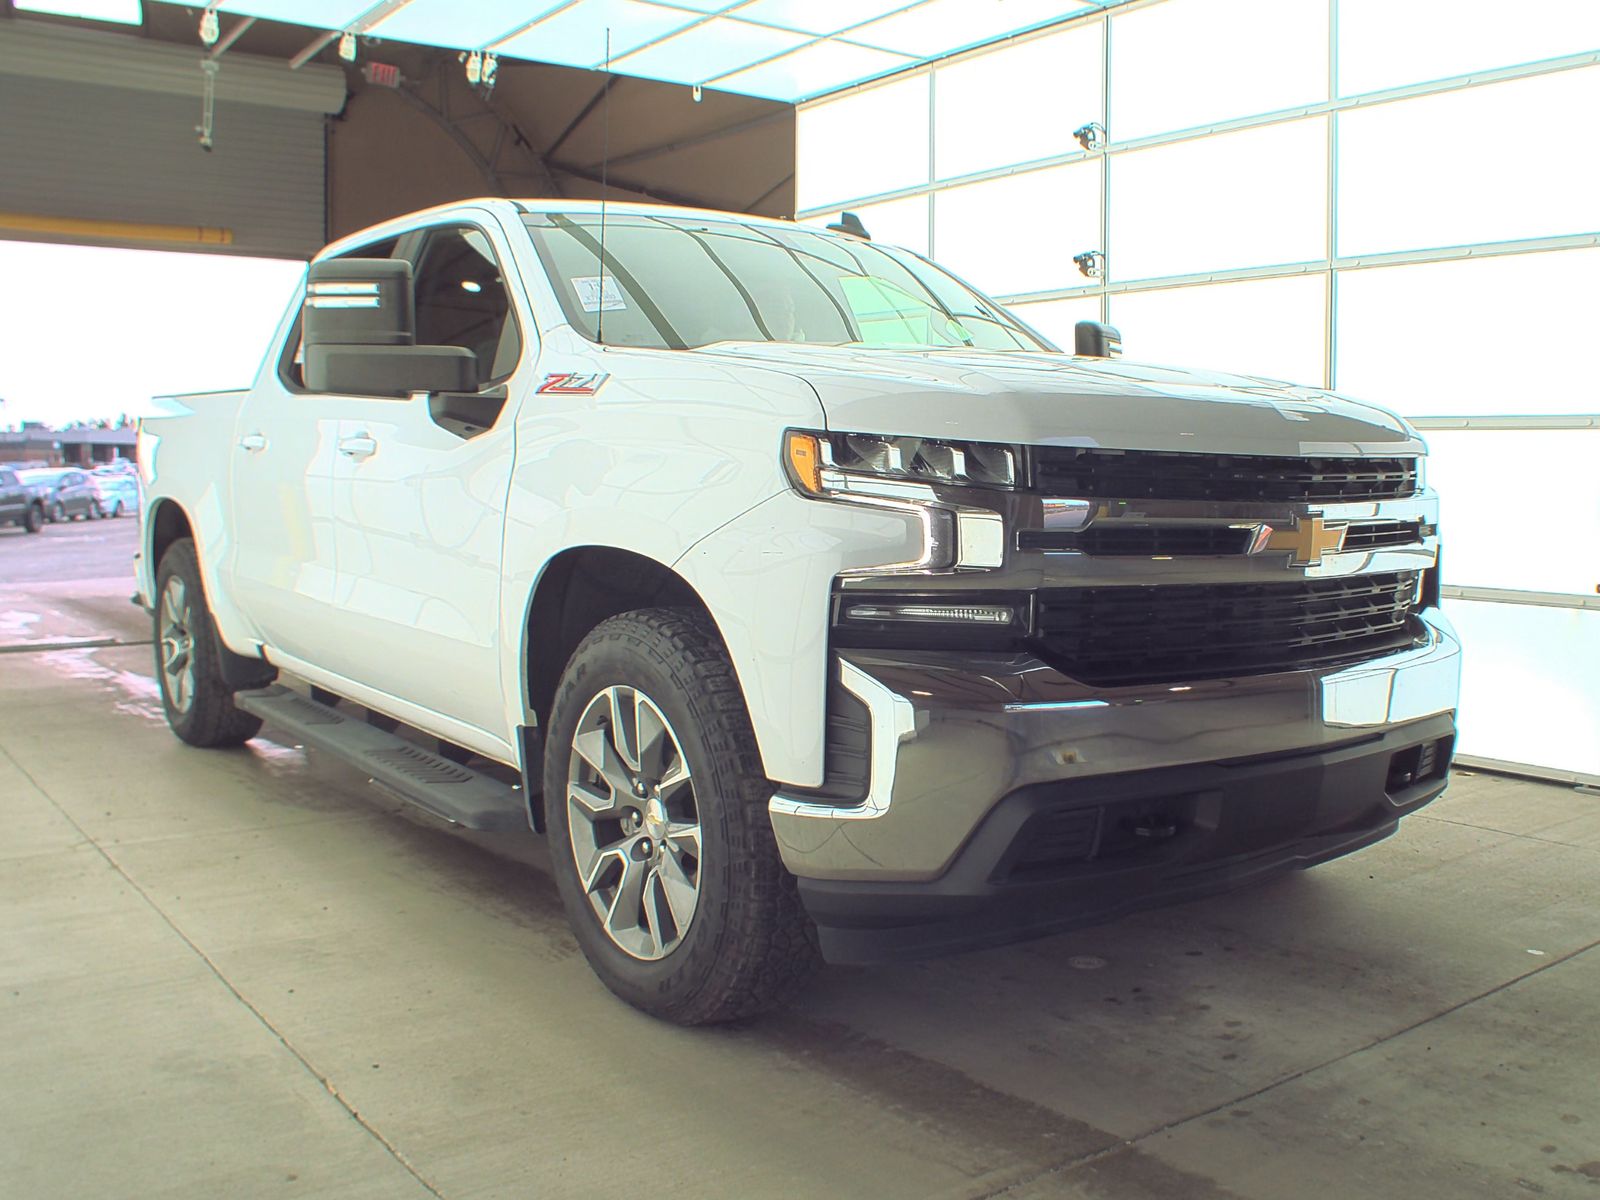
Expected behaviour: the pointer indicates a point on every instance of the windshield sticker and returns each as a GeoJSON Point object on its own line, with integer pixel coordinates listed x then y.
{"type": "Point", "coordinates": [595, 296]}
{"type": "Point", "coordinates": [572, 383]}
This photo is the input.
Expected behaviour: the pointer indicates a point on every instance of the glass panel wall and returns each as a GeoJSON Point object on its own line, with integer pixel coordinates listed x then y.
{"type": "Point", "coordinates": [1187, 63]}
{"type": "Point", "coordinates": [1235, 200]}
{"type": "Point", "coordinates": [1390, 197]}
{"type": "Point", "coordinates": [1509, 334]}
{"type": "Point", "coordinates": [862, 144]}
{"type": "Point", "coordinates": [1266, 327]}
{"type": "Point", "coordinates": [1485, 164]}
{"type": "Point", "coordinates": [1018, 234]}
{"type": "Point", "coordinates": [1017, 104]}
{"type": "Point", "coordinates": [1520, 508]}
{"type": "Point", "coordinates": [1393, 43]}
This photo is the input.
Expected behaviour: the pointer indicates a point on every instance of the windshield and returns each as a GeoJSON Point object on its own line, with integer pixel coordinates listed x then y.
{"type": "Point", "coordinates": [42, 475]}
{"type": "Point", "coordinates": [676, 282]}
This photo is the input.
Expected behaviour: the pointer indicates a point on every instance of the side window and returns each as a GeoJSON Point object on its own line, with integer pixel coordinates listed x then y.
{"type": "Point", "coordinates": [7, 479]}
{"type": "Point", "coordinates": [461, 300]}
{"type": "Point", "coordinates": [291, 364]}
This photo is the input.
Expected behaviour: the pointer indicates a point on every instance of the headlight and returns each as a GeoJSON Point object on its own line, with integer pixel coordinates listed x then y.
{"type": "Point", "coordinates": [821, 463]}
{"type": "Point", "coordinates": [900, 473]}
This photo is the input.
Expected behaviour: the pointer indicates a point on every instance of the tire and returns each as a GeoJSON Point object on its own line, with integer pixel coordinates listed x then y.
{"type": "Point", "coordinates": [116, 508]}
{"type": "Point", "coordinates": [745, 944]}
{"type": "Point", "coordinates": [34, 521]}
{"type": "Point", "coordinates": [198, 705]}
{"type": "Point", "coordinates": [58, 513]}
{"type": "Point", "coordinates": [94, 513]}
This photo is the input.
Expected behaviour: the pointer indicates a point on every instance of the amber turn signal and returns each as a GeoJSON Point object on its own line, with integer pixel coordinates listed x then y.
{"type": "Point", "coordinates": [804, 456]}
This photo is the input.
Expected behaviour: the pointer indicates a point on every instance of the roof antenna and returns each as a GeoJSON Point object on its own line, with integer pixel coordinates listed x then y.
{"type": "Point", "coordinates": [605, 161]}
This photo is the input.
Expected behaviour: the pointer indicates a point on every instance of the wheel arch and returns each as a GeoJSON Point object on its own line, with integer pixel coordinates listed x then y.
{"type": "Point", "coordinates": [168, 522]}
{"type": "Point", "coordinates": [577, 590]}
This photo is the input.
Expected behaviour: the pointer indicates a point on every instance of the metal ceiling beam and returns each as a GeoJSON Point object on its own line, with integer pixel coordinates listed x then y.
{"type": "Point", "coordinates": [583, 115]}
{"type": "Point", "coordinates": [232, 36]}
{"type": "Point", "coordinates": [492, 161]}
{"type": "Point", "coordinates": [361, 24]}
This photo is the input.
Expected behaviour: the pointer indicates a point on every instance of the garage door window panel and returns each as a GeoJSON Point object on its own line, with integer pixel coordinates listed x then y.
{"type": "Point", "coordinates": [1018, 103]}
{"type": "Point", "coordinates": [862, 145]}
{"type": "Point", "coordinates": [1019, 234]}
{"type": "Point", "coordinates": [1484, 164]}
{"type": "Point", "coordinates": [1270, 327]}
{"type": "Point", "coordinates": [1247, 199]}
{"type": "Point", "coordinates": [1186, 63]}
{"type": "Point", "coordinates": [1432, 339]}
{"type": "Point", "coordinates": [1391, 43]}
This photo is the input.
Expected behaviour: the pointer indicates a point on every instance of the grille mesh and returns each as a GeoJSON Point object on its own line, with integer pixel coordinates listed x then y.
{"type": "Point", "coordinates": [1165, 475]}
{"type": "Point", "coordinates": [1173, 633]}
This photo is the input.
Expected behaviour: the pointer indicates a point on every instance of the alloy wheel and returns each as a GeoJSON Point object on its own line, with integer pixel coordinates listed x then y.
{"type": "Point", "coordinates": [177, 644]}
{"type": "Point", "coordinates": [633, 823]}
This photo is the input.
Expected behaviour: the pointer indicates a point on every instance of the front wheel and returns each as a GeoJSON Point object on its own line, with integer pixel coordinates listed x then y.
{"type": "Point", "coordinates": [198, 704]}
{"type": "Point", "coordinates": [663, 852]}
{"type": "Point", "coordinates": [34, 521]}
{"type": "Point", "coordinates": [58, 513]}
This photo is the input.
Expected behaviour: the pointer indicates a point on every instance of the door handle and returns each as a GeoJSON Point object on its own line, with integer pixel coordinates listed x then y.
{"type": "Point", "coordinates": [253, 442]}
{"type": "Point", "coordinates": [360, 446]}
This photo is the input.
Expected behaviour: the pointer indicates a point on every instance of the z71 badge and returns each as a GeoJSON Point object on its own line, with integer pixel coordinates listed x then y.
{"type": "Point", "coordinates": [571, 383]}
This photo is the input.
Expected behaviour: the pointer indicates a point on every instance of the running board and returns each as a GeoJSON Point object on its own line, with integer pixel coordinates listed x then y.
{"type": "Point", "coordinates": [448, 790]}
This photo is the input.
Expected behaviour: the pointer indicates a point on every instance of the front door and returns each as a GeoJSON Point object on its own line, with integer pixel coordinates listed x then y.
{"type": "Point", "coordinates": [419, 497]}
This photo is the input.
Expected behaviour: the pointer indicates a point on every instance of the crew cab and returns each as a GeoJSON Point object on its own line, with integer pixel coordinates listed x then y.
{"type": "Point", "coordinates": [808, 601]}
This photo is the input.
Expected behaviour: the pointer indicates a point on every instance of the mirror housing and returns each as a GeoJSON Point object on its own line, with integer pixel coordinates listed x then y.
{"type": "Point", "coordinates": [1091, 339]}
{"type": "Point", "coordinates": [358, 327]}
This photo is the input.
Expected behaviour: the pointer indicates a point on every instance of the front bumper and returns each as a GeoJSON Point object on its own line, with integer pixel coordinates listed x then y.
{"type": "Point", "coordinates": [969, 764]}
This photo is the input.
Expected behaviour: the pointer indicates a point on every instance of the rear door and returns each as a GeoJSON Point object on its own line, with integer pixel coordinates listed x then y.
{"type": "Point", "coordinates": [284, 553]}
{"type": "Point", "coordinates": [420, 488]}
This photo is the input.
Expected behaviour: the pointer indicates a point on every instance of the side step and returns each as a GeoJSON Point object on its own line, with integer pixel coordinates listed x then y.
{"type": "Point", "coordinates": [448, 790]}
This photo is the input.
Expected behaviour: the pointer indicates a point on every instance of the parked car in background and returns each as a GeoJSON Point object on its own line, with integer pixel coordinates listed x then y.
{"type": "Point", "coordinates": [117, 490]}
{"type": "Point", "coordinates": [64, 491]}
{"type": "Point", "coordinates": [18, 504]}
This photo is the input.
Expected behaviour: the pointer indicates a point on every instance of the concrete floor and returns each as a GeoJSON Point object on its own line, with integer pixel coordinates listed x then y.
{"type": "Point", "coordinates": [243, 974]}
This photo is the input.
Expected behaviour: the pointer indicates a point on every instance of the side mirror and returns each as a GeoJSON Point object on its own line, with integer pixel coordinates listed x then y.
{"type": "Point", "coordinates": [1091, 339]}
{"type": "Point", "coordinates": [359, 331]}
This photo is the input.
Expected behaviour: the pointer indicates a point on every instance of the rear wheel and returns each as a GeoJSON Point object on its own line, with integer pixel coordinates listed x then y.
{"type": "Point", "coordinates": [58, 513]}
{"type": "Point", "coordinates": [660, 840]}
{"type": "Point", "coordinates": [198, 704]}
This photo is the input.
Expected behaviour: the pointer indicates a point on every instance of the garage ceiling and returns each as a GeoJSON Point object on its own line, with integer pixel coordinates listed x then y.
{"type": "Point", "coordinates": [786, 50]}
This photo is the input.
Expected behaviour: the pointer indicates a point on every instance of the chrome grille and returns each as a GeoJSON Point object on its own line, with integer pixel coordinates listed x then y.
{"type": "Point", "coordinates": [1174, 633]}
{"type": "Point", "coordinates": [1377, 535]}
{"type": "Point", "coordinates": [1167, 475]}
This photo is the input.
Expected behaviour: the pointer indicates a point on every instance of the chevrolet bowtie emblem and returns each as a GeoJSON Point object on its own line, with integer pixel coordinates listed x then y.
{"type": "Point", "coordinates": [1306, 542]}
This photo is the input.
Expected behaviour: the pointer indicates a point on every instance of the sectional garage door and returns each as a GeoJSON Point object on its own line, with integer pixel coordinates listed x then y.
{"type": "Point", "coordinates": [101, 129]}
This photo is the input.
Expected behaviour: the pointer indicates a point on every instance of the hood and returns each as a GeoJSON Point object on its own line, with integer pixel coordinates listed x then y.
{"type": "Point", "coordinates": [1059, 400]}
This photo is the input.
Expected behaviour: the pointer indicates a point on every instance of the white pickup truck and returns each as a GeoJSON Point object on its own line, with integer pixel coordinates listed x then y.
{"type": "Point", "coordinates": [809, 602]}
